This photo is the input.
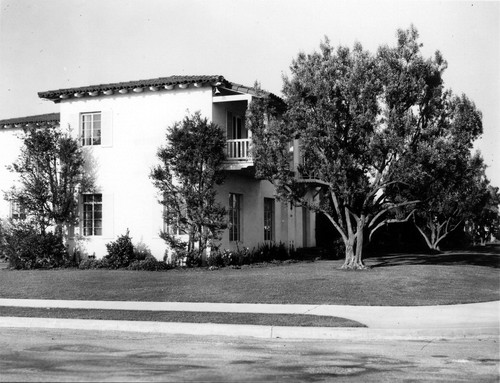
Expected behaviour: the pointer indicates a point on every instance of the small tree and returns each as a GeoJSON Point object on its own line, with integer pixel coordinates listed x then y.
{"type": "Point", "coordinates": [51, 174]}
{"type": "Point", "coordinates": [190, 168]}
{"type": "Point", "coordinates": [484, 221]}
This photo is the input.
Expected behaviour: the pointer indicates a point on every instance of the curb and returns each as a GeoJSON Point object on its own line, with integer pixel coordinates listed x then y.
{"type": "Point", "coordinates": [265, 332]}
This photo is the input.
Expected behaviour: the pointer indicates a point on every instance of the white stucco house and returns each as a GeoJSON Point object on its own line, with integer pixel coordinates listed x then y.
{"type": "Point", "coordinates": [121, 126]}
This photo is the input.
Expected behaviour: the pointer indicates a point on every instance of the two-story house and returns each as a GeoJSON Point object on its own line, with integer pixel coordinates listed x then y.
{"type": "Point", "coordinates": [121, 126]}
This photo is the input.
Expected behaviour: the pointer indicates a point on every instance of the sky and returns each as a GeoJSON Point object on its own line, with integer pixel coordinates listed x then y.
{"type": "Point", "coordinates": [54, 44]}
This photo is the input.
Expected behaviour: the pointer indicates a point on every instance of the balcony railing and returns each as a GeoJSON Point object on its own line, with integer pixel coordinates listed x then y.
{"type": "Point", "coordinates": [238, 149]}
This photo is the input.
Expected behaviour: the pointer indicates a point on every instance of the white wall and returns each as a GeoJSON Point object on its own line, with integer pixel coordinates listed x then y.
{"type": "Point", "coordinates": [10, 145]}
{"type": "Point", "coordinates": [139, 125]}
{"type": "Point", "coordinates": [288, 221]}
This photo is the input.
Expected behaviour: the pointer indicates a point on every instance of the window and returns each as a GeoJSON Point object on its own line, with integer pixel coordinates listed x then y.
{"type": "Point", "coordinates": [90, 124]}
{"type": "Point", "coordinates": [17, 210]}
{"type": "Point", "coordinates": [234, 217]}
{"type": "Point", "coordinates": [92, 214]}
{"type": "Point", "coordinates": [237, 127]}
{"type": "Point", "coordinates": [268, 219]}
{"type": "Point", "coordinates": [171, 222]}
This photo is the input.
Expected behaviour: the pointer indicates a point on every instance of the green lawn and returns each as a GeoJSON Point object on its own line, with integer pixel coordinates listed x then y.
{"type": "Point", "coordinates": [184, 316]}
{"type": "Point", "coordinates": [393, 280]}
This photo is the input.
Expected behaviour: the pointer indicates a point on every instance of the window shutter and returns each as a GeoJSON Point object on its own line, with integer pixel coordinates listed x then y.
{"type": "Point", "coordinates": [108, 229]}
{"type": "Point", "coordinates": [106, 128]}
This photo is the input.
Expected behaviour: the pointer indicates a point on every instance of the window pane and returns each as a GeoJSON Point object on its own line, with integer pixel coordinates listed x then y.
{"type": "Point", "coordinates": [92, 214]}
{"type": "Point", "coordinates": [268, 219]}
{"type": "Point", "coordinates": [234, 217]}
{"type": "Point", "coordinates": [91, 128]}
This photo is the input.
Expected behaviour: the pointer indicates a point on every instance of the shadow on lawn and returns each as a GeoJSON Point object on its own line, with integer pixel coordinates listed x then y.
{"type": "Point", "coordinates": [480, 256]}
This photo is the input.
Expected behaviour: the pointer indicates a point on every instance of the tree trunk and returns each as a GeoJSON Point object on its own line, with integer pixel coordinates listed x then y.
{"type": "Point", "coordinates": [353, 252]}
{"type": "Point", "coordinates": [431, 239]}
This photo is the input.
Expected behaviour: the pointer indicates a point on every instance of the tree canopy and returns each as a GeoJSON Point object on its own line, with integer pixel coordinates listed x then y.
{"type": "Point", "coordinates": [190, 167]}
{"type": "Point", "coordinates": [51, 175]}
{"type": "Point", "coordinates": [362, 120]}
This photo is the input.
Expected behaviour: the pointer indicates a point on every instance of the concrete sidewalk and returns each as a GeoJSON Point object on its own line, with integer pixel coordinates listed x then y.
{"type": "Point", "coordinates": [382, 321]}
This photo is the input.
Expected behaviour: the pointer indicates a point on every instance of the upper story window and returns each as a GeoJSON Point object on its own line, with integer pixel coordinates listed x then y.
{"type": "Point", "coordinates": [17, 210]}
{"type": "Point", "coordinates": [90, 124]}
{"type": "Point", "coordinates": [237, 127]}
{"type": "Point", "coordinates": [171, 222]}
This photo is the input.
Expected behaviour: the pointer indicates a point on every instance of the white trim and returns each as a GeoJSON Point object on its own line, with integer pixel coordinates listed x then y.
{"type": "Point", "coordinates": [238, 97]}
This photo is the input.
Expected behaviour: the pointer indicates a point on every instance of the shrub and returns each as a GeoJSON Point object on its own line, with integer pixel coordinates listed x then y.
{"type": "Point", "coordinates": [120, 252]}
{"type": "Point", "coordinates": [268, 252]}
{"type": "Point", "coordinates": [182, 257]}
{"type": "Point", "coordinates": [91, 263]}
{"type": "Point", "coordinates": [142, 252]}
{"type": "Point", "coordinates": [149, 264]}
{"type": "Point", "coordinates": [26, 248]}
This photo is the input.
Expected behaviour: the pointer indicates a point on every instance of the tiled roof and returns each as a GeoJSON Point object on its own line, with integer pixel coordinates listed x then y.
{"type": "Point", "coordinates": [51, 118]}
{"type": "Point", "coordinates": [160, 82]}
{"type": "Point", "coordinates": [140, 85]}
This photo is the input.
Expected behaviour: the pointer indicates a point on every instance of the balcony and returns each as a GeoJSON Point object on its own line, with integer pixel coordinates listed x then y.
{"type": "Point", "coordinates": [238, 154]}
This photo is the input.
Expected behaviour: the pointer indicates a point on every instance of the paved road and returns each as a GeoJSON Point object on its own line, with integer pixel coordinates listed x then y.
{"type": "Point", "coordinates": [72, 355]}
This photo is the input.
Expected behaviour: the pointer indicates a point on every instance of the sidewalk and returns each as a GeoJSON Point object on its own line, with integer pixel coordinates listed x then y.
{"type": "Point", "coordinates": [474, 319]}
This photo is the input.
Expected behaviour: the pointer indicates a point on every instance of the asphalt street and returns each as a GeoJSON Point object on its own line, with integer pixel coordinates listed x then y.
{"type": "Point", "coordinates": [75, 355]}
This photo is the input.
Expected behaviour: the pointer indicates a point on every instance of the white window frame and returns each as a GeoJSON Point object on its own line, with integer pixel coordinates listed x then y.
{"type": "Point", "coordinates": [90, 214]}
{"type": "Point", "coordinates": [17, 211]}
{"type": "Point", "coordinates": [173, 228]}
{"type": "Point", "coordinates": [91, 128]}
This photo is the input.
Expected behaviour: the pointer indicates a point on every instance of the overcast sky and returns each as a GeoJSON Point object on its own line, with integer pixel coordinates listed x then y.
{"type": "Point", "coordinates": [53, 44]}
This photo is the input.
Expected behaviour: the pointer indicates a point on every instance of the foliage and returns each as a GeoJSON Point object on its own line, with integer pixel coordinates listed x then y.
{"type": "Point", "coordinates": [149, 264]}
{"type": "Point", "coordinates": [357, 117]}
{"type": "Point", "coordinates": [26, 247]}
{"type": "Point", "coordinates": [142, 252]}
{"type": "Point", "coordinates": [267, 252]}
{"type": "Point", "coordinates": [92, 263]}
{"type": "Point", "coordinates": [50, 168]}
{"type": "Point", "coordinates": [123, 254]}
{"type": "Point", "coordinates": [484, 221]}
{"type": "Point", "coordinates": [190, 167]}
{"type": "Point", "coordinates": [185, 258]}
{"type": "Point", "coordinates": [451, 184]}
{"type": "Point", "coordinates": [120, 252]}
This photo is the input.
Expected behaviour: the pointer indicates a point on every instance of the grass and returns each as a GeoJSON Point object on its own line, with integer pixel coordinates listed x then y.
{"type": "Point", "coordinates": [182, 316]}
{"type": "Point", "coordinates": [398, 280]}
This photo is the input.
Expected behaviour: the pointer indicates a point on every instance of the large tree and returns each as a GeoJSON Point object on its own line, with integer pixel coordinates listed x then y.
{"type": "Point", "coordinates": [51, 176]}
{"type": "Point", "coordinates": [441, 172]}
{"type": "Point", "coordinates": [357, 116]}
{"type": "Point", "coordinates": [451, 188]}
{"type": "Point", "coordinates": [191, 165]}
